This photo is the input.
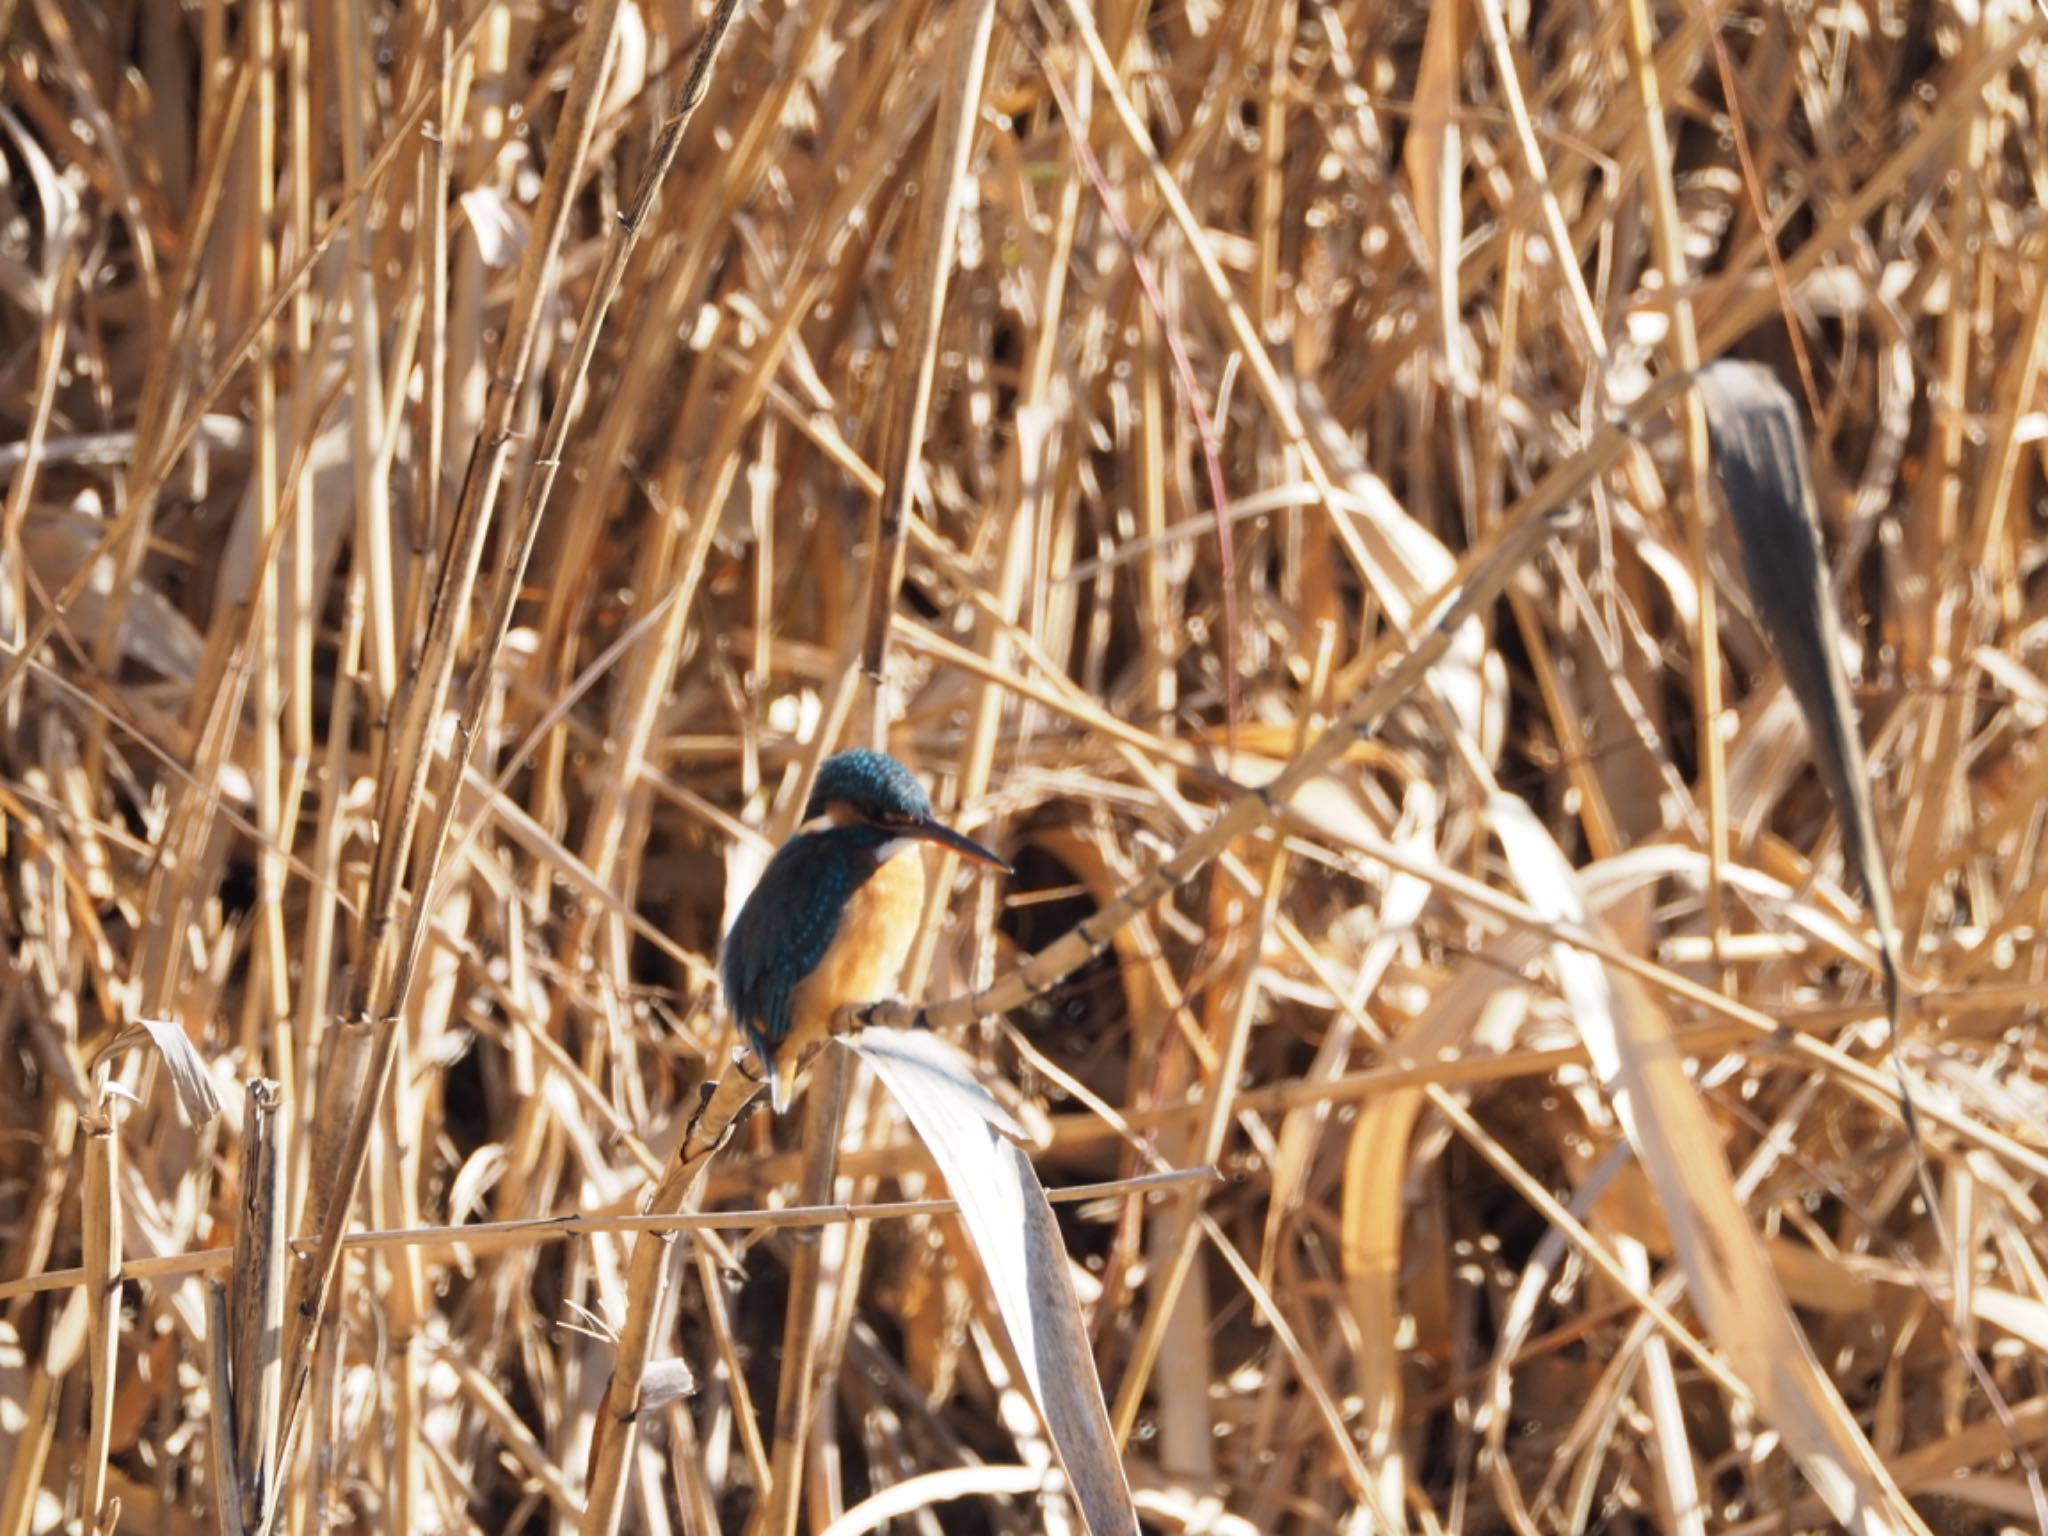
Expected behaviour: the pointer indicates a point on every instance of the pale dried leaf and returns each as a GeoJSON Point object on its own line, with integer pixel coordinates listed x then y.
{"type": "Point", "coordinates": [1018, 1242]}
{"type": "Point", "coordinates": [191, 1082]}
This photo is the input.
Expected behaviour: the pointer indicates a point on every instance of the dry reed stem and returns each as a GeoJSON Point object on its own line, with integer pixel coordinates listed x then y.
{"type": "Point", "coordinates": [258, 1283]}
{"type": "Point", "coordinates": [100, 1214]}
{"type": "Point", "coordinates": [221, 1433]}
{"type": "Point", "coordinates": [1697, 500]}
{"type": "Point", "coordinates": [908, 391]}
{"type": "Point", "coordinates": [488, 1235]}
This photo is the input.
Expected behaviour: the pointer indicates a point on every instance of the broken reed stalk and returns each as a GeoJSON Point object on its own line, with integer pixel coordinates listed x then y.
{"type": "Point", "coordinates": [220, 1416]}
{"type": "Point", "coordinates": [100, 1215]}
{"type": "Point", "coordinates": [258, 1279]}
{"type": "Point", "coordinates": [378, 988]}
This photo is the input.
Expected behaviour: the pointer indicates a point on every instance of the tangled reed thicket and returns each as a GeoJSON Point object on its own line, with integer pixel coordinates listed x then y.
{"type": "Point", "coordinates": [277, 298]}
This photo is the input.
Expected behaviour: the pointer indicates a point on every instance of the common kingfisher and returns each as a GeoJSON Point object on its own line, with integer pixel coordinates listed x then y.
{"type": "Point", "coordinates": [833, 918]}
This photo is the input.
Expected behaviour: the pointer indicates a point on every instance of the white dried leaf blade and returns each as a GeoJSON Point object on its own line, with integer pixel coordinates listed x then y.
{"type": "Point", "coordinates": [190, 1080]}
{"type": "Point", "coordinates": [1011, 1223]}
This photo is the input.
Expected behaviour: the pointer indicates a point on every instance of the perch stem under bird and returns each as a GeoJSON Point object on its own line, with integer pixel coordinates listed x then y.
{"type": "Point", "coordinates": [831, 922]}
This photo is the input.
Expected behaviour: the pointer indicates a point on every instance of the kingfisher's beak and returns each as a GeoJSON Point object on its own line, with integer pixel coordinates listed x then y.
{"type": "Point", "coordinates": [938, 832]}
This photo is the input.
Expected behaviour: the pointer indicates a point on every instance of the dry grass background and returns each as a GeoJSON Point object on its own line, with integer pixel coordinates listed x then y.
{"type": "Point", "coordinates": [267, 273]}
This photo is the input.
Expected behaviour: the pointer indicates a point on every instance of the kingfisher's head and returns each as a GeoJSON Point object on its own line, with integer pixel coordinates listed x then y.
{"type": "Point", "coordinates": [872, 789]}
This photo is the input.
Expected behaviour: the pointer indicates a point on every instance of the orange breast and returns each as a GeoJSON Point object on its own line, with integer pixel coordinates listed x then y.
{"type": "Point", "coordinates": [865, 961]}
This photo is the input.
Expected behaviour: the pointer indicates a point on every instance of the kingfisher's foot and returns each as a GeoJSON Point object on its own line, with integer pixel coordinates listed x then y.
{"type": "Point", "coordinates": [891, 1013]}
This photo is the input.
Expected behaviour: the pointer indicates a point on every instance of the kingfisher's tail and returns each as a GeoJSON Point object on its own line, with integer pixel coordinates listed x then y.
{"type": "Point", "coordinates": [778, 1067]}
{"type": "Point", "coordinates": [782, 1081]}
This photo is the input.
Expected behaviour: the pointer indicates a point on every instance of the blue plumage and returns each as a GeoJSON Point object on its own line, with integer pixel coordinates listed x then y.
{"type": "Point", "coordinates": [871, 784]}
{"type": "Point", "coordinates": [810, 940]}
{"type": "Point", "coordinates": [787, 925]}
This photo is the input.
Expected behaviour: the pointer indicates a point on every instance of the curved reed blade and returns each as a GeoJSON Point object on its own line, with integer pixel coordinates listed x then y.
{"type": "Point", "coordinates": [1004, 1209]}
{"type": "Point", "coordinates": [1760, 453]}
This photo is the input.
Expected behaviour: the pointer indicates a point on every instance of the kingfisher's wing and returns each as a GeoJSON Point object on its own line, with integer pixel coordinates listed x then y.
{"type": "Point", "coordinates": [783, 932]}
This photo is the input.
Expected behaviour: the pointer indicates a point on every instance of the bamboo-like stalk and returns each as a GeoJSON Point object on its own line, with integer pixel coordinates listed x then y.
{"type": "Point", "coordinates": [224, 1472]}
{"type": "Point", "coordinates": [258, 1289]}
{"type": "Point", "coordinates": [100, 1214]}
{"type": "Point", "coordinates": [294, 657]}
{"type": "Point", "coordinates": [270, 1012]}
